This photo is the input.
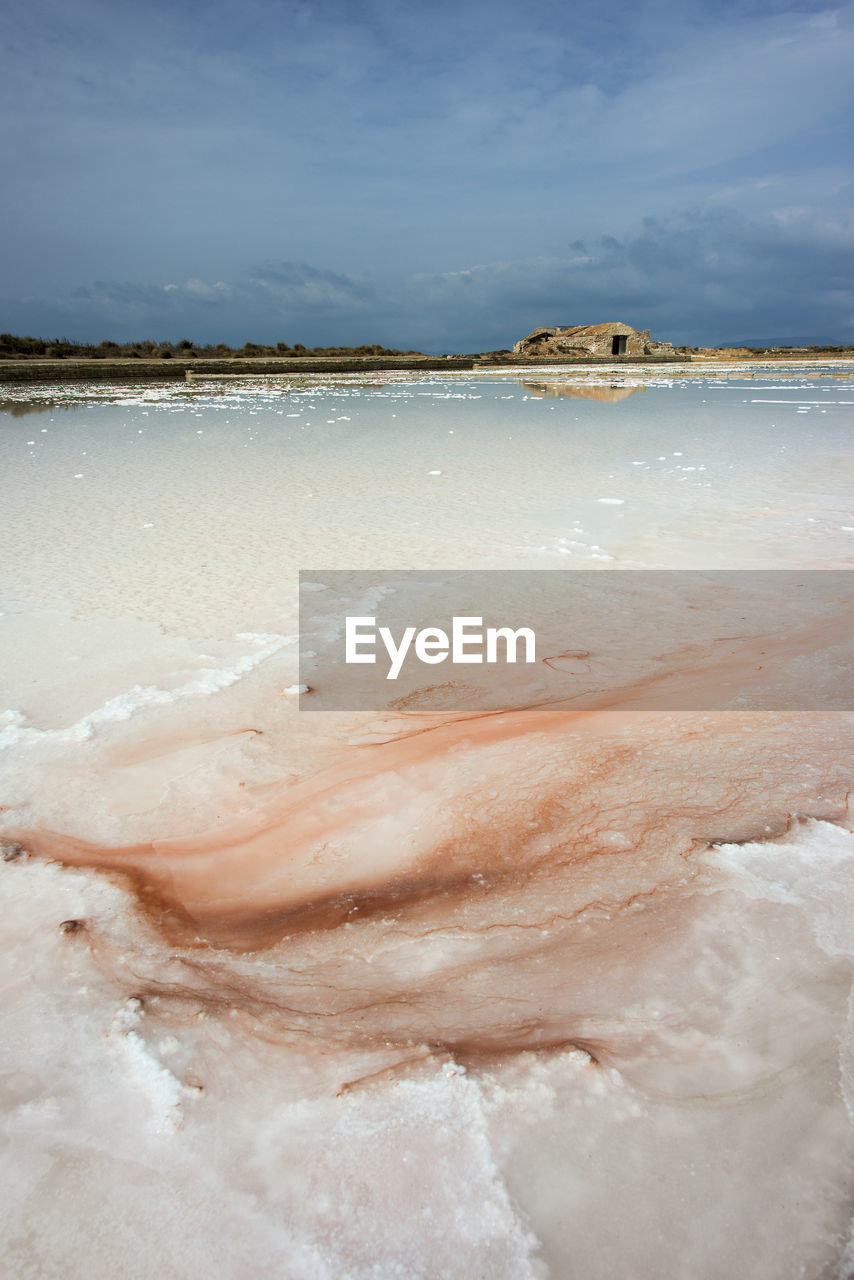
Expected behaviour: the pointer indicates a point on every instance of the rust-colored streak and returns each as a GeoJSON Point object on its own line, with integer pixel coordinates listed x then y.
{"type": "Point", "coordinates": [608, 803]}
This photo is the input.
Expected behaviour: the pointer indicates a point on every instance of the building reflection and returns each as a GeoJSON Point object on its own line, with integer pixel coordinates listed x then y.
{"type": "Point", "coordinates": [580, 390]}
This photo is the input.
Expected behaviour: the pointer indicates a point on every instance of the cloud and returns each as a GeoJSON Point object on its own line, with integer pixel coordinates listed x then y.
{"type": "Point", "coordinates": [265, 302]}
{"type": "Point", "coordinates": [291, 285]}
{"type": "Point", "coordinates": [275, 287]}
{"type": "Point", "coordinates": [363, 157]}
{"type": "Point", "coordinates": [699, 278]}
{"type": "Point", "coordinates": [702, 277]}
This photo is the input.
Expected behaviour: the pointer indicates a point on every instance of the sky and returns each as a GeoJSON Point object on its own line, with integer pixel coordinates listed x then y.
{"type": "Point", "coordinates": [443, 176]}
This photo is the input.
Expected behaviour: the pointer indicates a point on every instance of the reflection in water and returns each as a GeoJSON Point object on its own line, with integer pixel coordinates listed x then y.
{"type": "Point", "coordinates": [580, 391]}
{"type": "Point", "coordinates": [20, 408]}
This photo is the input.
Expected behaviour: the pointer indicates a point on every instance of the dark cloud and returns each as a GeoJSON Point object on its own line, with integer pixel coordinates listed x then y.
{"type": "Point", "coordinates": [117, 295]}
{"type": "Point", "coordinates": [392, 148]}
{"type": "Point", "coordinates": [703, 277]}
{"type": "Point", "coordinates": [700, 278]}
{"type": "Point", "coordinates": [297, 285]}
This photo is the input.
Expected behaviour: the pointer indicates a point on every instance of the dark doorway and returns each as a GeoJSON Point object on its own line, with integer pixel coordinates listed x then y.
{"type": "Point", "coordinates": [618, 345]}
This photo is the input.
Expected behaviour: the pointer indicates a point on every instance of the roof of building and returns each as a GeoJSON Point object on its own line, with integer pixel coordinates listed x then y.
{"type": "Point", "coordinates": [596, 328]}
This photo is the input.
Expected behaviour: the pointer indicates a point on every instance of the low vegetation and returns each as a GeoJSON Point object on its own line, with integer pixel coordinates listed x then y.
{"type": "Point", "coordinates": [13, 347]}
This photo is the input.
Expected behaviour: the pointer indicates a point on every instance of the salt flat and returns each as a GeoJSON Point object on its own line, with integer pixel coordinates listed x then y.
{"type": "Point", "coordinates": [367, 995]}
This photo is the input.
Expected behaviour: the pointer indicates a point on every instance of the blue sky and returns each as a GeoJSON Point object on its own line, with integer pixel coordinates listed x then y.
{"type": "Point", "coordinates": [443, 176]}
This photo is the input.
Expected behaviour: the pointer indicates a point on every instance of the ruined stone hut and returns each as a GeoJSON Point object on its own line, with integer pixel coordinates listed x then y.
{"type": "Point", "coordinates": [612, 339]}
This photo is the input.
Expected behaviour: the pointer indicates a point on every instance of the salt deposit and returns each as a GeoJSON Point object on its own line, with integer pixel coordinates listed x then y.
{"type": "Point", "coordinates": [392, 994]}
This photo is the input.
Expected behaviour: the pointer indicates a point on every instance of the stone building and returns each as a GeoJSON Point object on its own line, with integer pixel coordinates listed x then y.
{"type": "Point", "coordinates": [613, 339]}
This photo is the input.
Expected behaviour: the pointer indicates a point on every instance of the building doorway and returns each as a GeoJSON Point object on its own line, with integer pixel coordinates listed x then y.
{"type": "Point", "coordinates": [618, 345]}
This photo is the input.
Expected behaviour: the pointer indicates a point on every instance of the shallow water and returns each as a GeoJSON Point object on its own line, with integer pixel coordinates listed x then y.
{"type": "Point", "coordinates": [537, 994]}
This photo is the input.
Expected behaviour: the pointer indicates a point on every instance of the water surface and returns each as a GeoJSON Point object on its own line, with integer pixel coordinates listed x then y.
{"type": "Point", "coordinates": [381, 994]}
